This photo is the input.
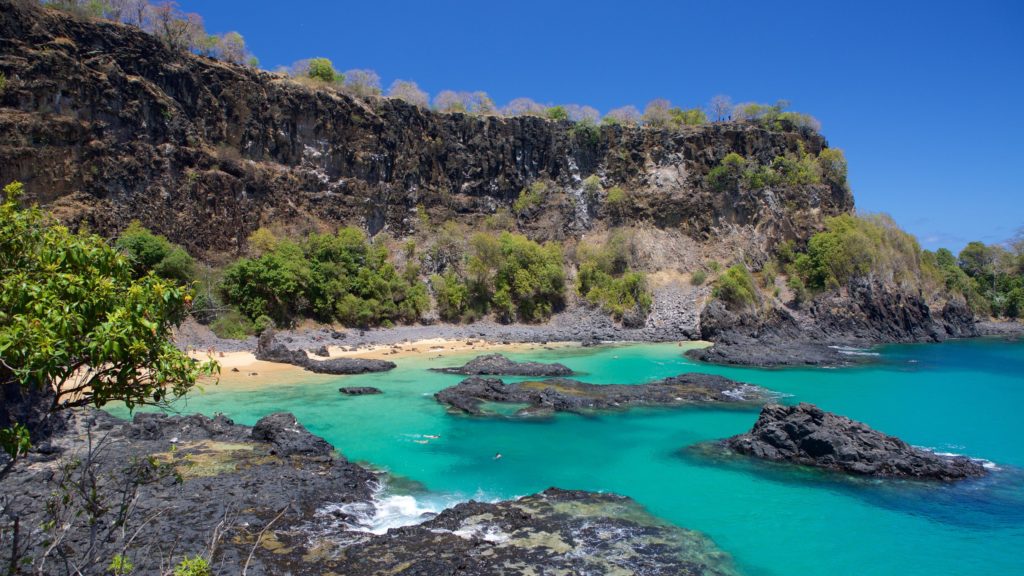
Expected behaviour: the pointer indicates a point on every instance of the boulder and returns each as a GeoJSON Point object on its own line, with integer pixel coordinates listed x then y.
{"type": "Point", "coordinates": [809, 436]}
{"type": "Point", "coordinates": [288, 437]}
{"type": "Point", "coordinates": [270, 349]}
{"type": "Point", "coordinates": [499, 365]}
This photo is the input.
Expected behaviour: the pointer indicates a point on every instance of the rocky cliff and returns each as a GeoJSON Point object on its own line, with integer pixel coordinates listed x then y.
{"type": "Point", "coordinates": [104, 124]}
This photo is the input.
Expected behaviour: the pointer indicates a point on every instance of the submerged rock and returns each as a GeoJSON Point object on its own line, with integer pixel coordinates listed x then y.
{"type": "Point", "coordinates": [809, 436]}
{"type": "Point", "coordinates": [554, 532]}
{"type": "Point", "coordinates": [269, 349]}
{"type": "Point", "coordinates": [359, 390]}
{"type": "Point", "coordinates": [499, 365]}
{"type": "Point", "coordinates": [564, 395]}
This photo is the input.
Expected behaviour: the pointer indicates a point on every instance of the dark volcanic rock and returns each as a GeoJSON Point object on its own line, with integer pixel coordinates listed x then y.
{"type": "Point", "coordinates": [809, 436]}
{"type": "Point", "coordinates": [499, 365]}
{"type": "Point", "coordinates": [359, 390]}
{"type": "Point", "coordinates": [270, 349]}
{"type": "Point", "coordinates": [199, 480]}
{"type": "Point", "coordinates": [107, 124]}
{"type": "Point", "coordinates": [554, 532]}
{"type": "Point", "coordinates": [823, 331]}
{"type": "Point", "coordinates": [288, 437]}
{"type": "Point", "coordinates": [563, 395]}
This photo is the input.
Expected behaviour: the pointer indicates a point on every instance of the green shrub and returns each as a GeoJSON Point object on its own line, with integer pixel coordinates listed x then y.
{"type": "Point", "coordinates": [616, 202]}
{"type": "Point", "coordinates": [322, 69]}
{"type": "Point", "coordinates": [604, 278]}
{"type": "Point", "coordinates": [557, 113]}
{"type": "Point", "coordinates": [452, 296]}
{"type": "Point", "coordinates": [691, 117]}
{"type": "Point", "coordinates": [530, 197]}
{"type": "Point", "coordinates": [120, 565]}
{"type": "Point", "coordinates": [585, 132]}
{"type": "Point", "coordinates": [329, 277]}
{"type": "Point", "coordinates": [736, 287]}
{"type": "Point", "coordinates": [153, 252]}
{"type": "Point", "coordinates": [832, 163]}
{"type": "Point", "coordinates": [232, 325]}
{"type": "Point", "coordinates": [698, 278]}
{"type": "Point", "coordinates": [194, 566]}
{"type": "Point", "coordinates": [727, 175]}
{"type": "Point", "coordinates": [3, 83]}
{"type": "Point", "coordinates": [515, 277]}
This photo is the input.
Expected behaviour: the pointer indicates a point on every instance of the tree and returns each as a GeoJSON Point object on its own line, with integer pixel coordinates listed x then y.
{"type": "Point", "coordinates": [977, 259]}
{"type": "Point", "coordinates": [178, 30]}
{"type": "Point", "coordinates": [557, 113]}
{"type": "Point", "coordinates": [719, 107]}
{"type": "Point", "coordinates": [451, 101]}
{"type": "Point", "coordinates": [626, 115]}
{"type": "Point", "coordinates": [362, 82]}
{"type": "Point", "coordinates": [657, 114]}
{"type": "Point", "coordinates": [231, 48]}
{"type": "Point", "coordinates": [322, 69]}
{"type": "Point", "coordinates": [689, 117]}
{"type": "Point", "coordinates": [579, 113]}
{"type": "Point", "coordinates": [409, 91]}
{"type": "Point", "coordinates": [523, 107]}
{"type": "Point", "coordinates": [75, 320]}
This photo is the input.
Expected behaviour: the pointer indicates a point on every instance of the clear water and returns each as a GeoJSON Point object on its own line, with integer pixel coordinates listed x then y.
{"type": "Point", "coordinates": [963, 397]}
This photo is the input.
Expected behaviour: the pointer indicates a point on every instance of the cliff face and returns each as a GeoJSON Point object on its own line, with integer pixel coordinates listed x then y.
{"type": "Point", "coordinates": [105, 125]}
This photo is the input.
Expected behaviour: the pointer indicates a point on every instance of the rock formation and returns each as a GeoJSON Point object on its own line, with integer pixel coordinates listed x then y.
{"type": "Point", "coordinates": [359, 390]}
{"type": "Point", "coordinates": [499, 365]}
{"type": "Point", "coordinates": [269, 349]}
{"type": "Point", "coordinates": [105, 124]}
{"type": "Point", "coordinates": [563, 395]}
{"type": "Point", "coordinates": [809, 436]}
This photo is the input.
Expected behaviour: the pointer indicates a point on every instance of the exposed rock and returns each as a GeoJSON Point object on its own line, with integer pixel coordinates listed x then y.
{"type": "Point", "coordinates": [270, 349]}
{"type": "Point", "coordinates": [200, 478]}
{"type": "Point", "coordinates": [829, 329]}
{"type": "Point", "coordinates": [806, 435]}
{"type": "Point", "coordinates": [554, 532]}
{"type": "Point", "coordinates": [359, 390]}
{"type": "Point", "coordinates": [288, 437]}
{"type": "Point", "coordinates": [563, 395]}
{"type": "Point", "coordinates": [499, 365]}
{"type": "Point", "coordinates": [105, 124]}
{"type": "Point", "coordinates": [322, 351]}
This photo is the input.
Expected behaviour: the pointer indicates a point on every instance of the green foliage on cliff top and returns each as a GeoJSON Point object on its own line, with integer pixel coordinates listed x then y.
{"type": "Point", "coordinates": [800, 168]}
{"type": "Point", "coordinates": [74, 316]}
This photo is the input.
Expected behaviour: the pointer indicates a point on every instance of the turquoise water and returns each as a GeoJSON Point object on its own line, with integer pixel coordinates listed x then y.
{"type": "Point", "coordinates": [962, 397]}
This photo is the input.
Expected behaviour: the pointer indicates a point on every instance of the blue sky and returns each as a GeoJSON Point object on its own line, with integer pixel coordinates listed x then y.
{"type": "Point", "coordinates": [926, 98]}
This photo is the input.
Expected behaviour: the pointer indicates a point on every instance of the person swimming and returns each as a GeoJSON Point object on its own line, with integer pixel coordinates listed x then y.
{"type": "Point", "coordinates": [431, 436]}
{"type": "Point", "coordinates": [497, 455]}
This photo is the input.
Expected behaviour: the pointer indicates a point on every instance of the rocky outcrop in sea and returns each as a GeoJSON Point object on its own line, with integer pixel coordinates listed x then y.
{"type": "Point", "coordinates": [499, 365]}
{"type": "Point", "coordinates": [809, 436]}
{"type": "Point", "coordinates": [564, 395]}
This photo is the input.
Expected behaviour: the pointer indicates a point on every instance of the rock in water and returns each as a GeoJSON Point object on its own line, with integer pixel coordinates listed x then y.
{"type": "Point", "coordinates": [807, 435]}
{"type": "Point", "coordinates": [564, 395]}
{"type": "Point", "coordinates": [554, 532]}
{"type": "Point", "coordinates": [359, 390]}
{"type": "Point", "coordinates": [270, 349]}
{"type": "Point", "coordinates": [288, 437]}
{"type": "Point", "coordinates": [499, 365]}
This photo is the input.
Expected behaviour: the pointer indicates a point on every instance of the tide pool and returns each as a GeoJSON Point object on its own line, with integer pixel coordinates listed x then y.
{"type": "Point", "coordinates": [961, 397]}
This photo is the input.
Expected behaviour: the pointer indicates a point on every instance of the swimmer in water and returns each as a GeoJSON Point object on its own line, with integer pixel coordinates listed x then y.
{"type": "Point", "coordinates": [420, 441]}
{"type": "Point", "coordinates": [497, 456]}
{"type": "Point", "coordinates": [431, 436]}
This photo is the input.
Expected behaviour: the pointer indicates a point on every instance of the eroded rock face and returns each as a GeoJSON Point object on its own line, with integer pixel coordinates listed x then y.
{"type": "Point", "coordinates": [563, 395]}
{"type": "Point", "coordinates": [499, 365]}
{"type": "Point", "coordinates": [554, 532]}
{"type": "Point", "coordinates": [270, 349]}
{"type": "Point", "coordinates": [809, 436]}
{"type": "Point", "coordinates": [104, 124]}
{"type": "Point", "coordinates": [864, 314]}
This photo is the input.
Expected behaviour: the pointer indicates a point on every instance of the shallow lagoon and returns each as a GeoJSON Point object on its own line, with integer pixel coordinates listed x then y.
{"type": "Point", "coordinates": [962, 397]}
